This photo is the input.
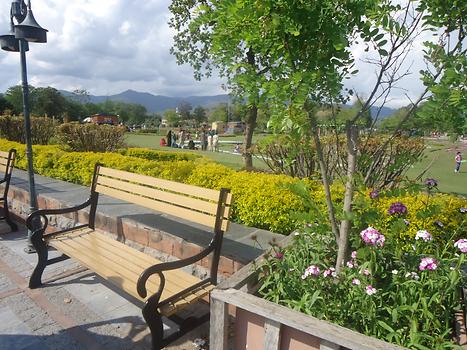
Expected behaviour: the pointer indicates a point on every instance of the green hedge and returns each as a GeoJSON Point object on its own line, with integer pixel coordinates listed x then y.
{"type": "Point", "coordinates": [260, 199]}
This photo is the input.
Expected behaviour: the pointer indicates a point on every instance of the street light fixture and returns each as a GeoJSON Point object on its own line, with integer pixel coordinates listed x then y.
{"type": "Point", "coordinates": [25, 30]}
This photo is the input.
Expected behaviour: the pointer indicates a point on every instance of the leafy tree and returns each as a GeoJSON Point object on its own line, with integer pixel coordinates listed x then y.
{"type": "Point", "coordinates": [199, 115]}
{"type": "Point", "coordinates": [14, 96]}
{"type": "Point", "coordinates": [48, 102]}
{"type": "Point", "coordinates": [172, 117]}
{"type": "Point", "coordinates": [211, 35]}
{"type": "Point", "coordinates": [4, 104]}
{"type": "Point", "coordinates": [219, 113]}
{"type": "Point", "coordinates": [184, 109]}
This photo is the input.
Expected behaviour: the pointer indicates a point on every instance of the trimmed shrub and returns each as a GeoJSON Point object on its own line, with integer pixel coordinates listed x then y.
{"type": "Point", "coordinates": [151, 154]}
{"type": "Point", "coordinates": [42, 129]}
{"type": "Point", "coordinates": [260, 200]}
{"type": "Point", "coordinates": [91, 137]}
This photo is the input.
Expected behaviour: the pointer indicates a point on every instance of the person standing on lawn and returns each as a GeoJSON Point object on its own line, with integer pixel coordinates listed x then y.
{"type": "Point", "coordinates": [458, 159]}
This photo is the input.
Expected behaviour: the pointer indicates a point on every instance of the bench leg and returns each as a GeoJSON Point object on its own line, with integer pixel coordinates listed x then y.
{"type": "Point", "coordinates": [154, 320]}
{"type": "Point", "coordinates": [6, 214]}
{"type": "Point", "coordinates": [42, 257]}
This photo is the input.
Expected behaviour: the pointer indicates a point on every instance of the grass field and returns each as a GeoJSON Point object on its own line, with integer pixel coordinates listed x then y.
{"type": "Point", "coordinates": [234, 161]}
{"type": "Point", "coordinates": [439, 159]}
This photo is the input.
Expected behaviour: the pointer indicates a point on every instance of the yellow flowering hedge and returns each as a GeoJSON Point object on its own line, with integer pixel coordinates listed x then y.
{"type": "Point", "coordinates": [260, 200]}
{"type": "Point", "coordinates": [437, 213]}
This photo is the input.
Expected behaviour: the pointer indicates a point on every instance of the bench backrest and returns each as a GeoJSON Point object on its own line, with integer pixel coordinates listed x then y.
{"type": "Point", "coordinates": [200, 205]}
{"type": "Point", "coordinates": [7, 161]}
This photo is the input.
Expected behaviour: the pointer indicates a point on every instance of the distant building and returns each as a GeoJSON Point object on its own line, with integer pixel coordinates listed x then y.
{"type": "Point", "coordinates": [104, 118]}
{"type": "Point", "coordinates": [235, 128]}
{"type": "Point", "coordinates": [219, 127]}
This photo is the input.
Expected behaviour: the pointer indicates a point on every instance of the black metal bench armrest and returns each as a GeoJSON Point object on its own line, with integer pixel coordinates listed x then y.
{"type": "Point", "coordinates": [166, 266]}
{"type": "Point", "coordinates": [2, 181]}
{"type": "Point", "coordinates": [42, 213]}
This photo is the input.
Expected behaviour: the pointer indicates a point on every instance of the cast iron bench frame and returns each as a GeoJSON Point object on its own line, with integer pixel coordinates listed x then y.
{"type": "Point", "coordinates": [167, 197]}
{"type": "Point", "coordinates": [7, 162]}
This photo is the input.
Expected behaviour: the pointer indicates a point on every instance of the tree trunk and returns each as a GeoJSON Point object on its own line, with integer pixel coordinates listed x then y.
{"type": "Point", "coordinates": [352, 139]}
{"type": "Point", "coordinates": [248, 139]}
{"type": "Point", "coordinates": [251, 121]}
{"type": "Point", "coordinates": [324, 176]}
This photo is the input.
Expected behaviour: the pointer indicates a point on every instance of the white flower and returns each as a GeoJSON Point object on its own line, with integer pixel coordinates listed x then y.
{"type": "Point", "coordinates": [395, 272]}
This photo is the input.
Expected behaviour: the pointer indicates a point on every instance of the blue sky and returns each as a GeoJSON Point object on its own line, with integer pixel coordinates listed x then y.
{"type": "Point", "coordinates": [108, 46]}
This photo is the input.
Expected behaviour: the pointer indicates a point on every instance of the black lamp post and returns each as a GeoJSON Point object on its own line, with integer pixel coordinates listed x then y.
{"type": "Point", "coordinates": [25, 30]}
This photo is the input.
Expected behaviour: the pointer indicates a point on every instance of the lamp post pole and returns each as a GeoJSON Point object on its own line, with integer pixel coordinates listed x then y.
{"type": "Point", "coordinates": [25, 30]}
{"type": "Point", "coordinates": [27, 128]}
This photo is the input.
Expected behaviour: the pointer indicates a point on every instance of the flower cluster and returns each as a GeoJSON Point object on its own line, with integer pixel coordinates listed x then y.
{"type": "Point", "coordinates": [370, 290]}
{"type": "Point", "coordinates": [428, 264]}
{"type": "Point", "coordinates": [430, 183]}
{"type": "Point", "coordinates": [461, 244]}
{"type": "Point", "coordinates": [424, 235]}
{"type": "Point", "coordinates": [372, 236]}
{"type": "Point", "coordinates": [397, 208]}
{"type": "Point", "coordinates": [374, 194]}
{"type": "Point", "coordinates": [311, 270]}
{"type": "Point", "coordinates": [330, 272]}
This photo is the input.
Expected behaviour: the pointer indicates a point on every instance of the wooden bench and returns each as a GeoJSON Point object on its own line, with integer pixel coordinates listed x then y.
{"type": "Point", "coordinates": [164, 287]}
{"type": "Point", "coordinates": [7, 161]}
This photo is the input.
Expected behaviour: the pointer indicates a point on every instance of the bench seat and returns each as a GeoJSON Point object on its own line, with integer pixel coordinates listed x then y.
{"type": "Point", "coordinates": [122, 265]}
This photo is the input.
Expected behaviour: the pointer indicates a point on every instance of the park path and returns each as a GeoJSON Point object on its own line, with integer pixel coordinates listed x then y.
{"type": "Point", "coordinates": [76, 310]}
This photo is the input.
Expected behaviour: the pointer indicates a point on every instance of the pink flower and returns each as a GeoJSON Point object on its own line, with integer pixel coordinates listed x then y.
{"type": "Point", "coordinates": [279, 255]}
{"type": "Point", "coordinates": [428, 264]}
{"type": "Point", "coordinates": [354, 255]}
{"type": "Point", "coordinates": [329, 272]}
{"type": "Point", "coordinates": [370, 290]}
{"type": "Point", "coordinates": [350, 264]}
{"type": "Point", "coordinates": [356, 281]}
{"type": "Point", "coordinates": [423, 234]}
{"type": "Point", "coordinates": [461, 244]}
{"type": "Point", "coordinates": [365, 272]}
{"type": "Point", "coordinates": [372, 236]}
{"type": "Point", "coordinates": [311, 270]}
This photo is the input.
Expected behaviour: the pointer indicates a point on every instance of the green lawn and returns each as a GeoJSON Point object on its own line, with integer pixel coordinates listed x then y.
{"type": "Point", "coordinates": [441, 157]}
{"type": "Point", "coordinates": [234, 161]}
{"type": "Point", "coordinates": [439, 154]}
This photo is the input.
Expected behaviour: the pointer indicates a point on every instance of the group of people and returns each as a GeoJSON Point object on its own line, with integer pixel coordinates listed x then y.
{"type": "Point", "coordinates": [209, 140]}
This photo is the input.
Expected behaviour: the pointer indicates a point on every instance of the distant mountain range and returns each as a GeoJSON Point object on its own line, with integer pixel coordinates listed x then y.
{"type": "Point", "coordinates": [160, 103]}
{"type": "Point", "coordinates": [157, 103]}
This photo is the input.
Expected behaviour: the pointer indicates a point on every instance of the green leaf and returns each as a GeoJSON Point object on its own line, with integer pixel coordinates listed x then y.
{"type": "Point", "coordinates": [383, 52]}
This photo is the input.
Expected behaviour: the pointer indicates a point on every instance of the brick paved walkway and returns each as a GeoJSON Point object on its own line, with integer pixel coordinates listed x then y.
{"type": "Point", "coordinates": [75, 310]}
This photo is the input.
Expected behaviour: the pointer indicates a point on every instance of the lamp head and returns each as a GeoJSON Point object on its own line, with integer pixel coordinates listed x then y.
{"type": "Point", "coordinates": [30, 30]}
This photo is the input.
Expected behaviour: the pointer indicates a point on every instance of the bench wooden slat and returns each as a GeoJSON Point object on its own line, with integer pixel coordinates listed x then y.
{"type": "Point", "coordinates": [2, 170]}
{"type": "Point", "coordinates": [162, 196]}
{"type": "Point", "coordinates": [172, 308]}
{"type": "Point", "coordinates": [3, 161]}
{"type": "Point", "coordinates": [113, 268]}
{"type": "Point", "coordinates": [120, 258]}
{"type": "Point", "coordinates": [114, 247]}
{"type": "Point", "coordinates": [170, 209]}
{"type": "Point", "coordinates": [3, 154]}
{"type": "Point", "coordinates": [154, 182]}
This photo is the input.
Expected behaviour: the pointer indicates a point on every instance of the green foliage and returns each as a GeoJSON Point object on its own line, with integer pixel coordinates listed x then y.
{"type": "Point", "coordinates": [42, 129]}
{"type": "Point", "coordinates": [151, 154]}
{"type": "Point", "coordinates": [410, 307]}
{"type": "Point", "coordinates": [90, 137]}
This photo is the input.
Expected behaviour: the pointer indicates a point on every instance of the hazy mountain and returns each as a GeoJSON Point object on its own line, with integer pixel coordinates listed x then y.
{"type": "Point", "coordinates": [160, 103]}
{"type": "Point", "coordinates": [156, 103]}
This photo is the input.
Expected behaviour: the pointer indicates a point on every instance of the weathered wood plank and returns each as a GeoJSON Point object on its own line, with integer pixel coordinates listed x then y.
{"type": "Point", "coordinates": [272, 333]}
{"type": "Point", "coordinates": [218, 326]}
{"type": "Point", "coordinates": [322, 329]}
